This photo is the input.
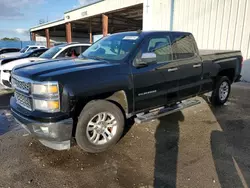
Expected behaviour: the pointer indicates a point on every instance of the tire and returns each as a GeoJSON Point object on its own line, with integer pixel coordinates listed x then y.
{"type": "Point", "coordinates": [90, 123]}
{"type": "Point", "coordinates": [217, 98]}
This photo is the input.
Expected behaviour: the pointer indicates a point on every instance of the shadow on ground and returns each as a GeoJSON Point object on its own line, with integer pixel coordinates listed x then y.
{"type": "Point", "coordinates": [230, 147]}
{"type": "Point", "coordinates": [167, 138]}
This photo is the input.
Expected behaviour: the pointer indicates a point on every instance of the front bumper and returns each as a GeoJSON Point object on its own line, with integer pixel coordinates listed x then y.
{"type": "Point", "coordinates": [56, 135]}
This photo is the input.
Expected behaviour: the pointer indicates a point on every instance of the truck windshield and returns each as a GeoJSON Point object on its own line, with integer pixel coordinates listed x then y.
{"type": "Point", "coordinates": [24, 49]}
{"type": "Point", "coordinates": [51, 52]}
{"type": "Point", "coordinates": [114, 47]}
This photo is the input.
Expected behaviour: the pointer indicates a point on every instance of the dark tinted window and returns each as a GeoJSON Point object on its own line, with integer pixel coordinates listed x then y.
{"type": "Point", "coordinates": [4, 51]}
{"type": "Point", "coordinates": [14, 50]}
{"type": "Point", "coordinates": [183, 46]}
{"type": "Point", "coordinates": [52, 52]}
{"type": "Point", "coordinates": [84, 48]}
{"type": "Point", "coordinates": [24, 49]}
{"type": "Point", "coordinates": [9, 50]}
{"type": "Point", "coordinates": [37, 53]}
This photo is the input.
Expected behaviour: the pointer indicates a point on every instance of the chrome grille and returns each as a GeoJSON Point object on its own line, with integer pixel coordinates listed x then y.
{"type": "Point", "coordinates": [23, 100]}
{"type": "Point", "coordinates": [21, 85]}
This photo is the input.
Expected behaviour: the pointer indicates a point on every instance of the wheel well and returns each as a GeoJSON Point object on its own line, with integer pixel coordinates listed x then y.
{"type": "Point", "coordinates": [119, 98]}
{"type": "Point", "coordinates": [229, 73]}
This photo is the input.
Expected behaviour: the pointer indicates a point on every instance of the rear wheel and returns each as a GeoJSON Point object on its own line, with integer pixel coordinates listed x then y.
{"type": "Point", "coordinates": [100, 126]}
{"type": "Point", "coordinates": [222, 91]}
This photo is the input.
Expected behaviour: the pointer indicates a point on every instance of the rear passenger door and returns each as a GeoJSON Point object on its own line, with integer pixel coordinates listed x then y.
{"type": "Point", "coordinates": [189, 64]}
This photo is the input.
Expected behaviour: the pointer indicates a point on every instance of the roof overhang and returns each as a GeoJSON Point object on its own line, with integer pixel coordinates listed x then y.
{"type": "Point", "coordinates": [94, 9]}
{"type": "Point", "coordinates": [48, 25]}
{"type": "Point", "coordinates": [99, 8]}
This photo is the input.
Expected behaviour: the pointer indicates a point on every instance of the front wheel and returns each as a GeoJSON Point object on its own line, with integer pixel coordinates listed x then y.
{"type": "Point", "coordinates": [100, 126]}
{"type": "Point", "coordinates": [221, 92]}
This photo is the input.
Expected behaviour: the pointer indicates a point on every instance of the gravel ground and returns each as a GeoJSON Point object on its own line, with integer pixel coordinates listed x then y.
{"type": "Point", "coordinates": [198, 147]}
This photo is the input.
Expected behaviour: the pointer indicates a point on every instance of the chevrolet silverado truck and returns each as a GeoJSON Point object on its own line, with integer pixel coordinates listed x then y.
{"type": "Point", "coordinates": [140, 75]}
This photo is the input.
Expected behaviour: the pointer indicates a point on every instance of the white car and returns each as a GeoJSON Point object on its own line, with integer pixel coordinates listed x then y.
{"type": "Point", "coordinates": [24, 50]}
{"type": "Point", "coordinates": [60, 51]}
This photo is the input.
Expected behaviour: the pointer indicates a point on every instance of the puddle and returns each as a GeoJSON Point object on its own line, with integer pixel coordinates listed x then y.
{"type": "Point", "coordinates": [7, 122]}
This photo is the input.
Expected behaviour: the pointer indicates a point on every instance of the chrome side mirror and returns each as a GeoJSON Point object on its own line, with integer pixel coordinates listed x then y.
{"type": "Point", "coordinates": [148, 57]}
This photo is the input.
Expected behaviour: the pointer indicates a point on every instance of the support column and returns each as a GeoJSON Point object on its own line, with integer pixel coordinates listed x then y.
{"type": "Point", "coordinates": [90, 32]}
{"type": "Point", "coordinates": [47, 37]}
{"type": "Point", "coordinates": [105, 25]}
{"type": "Point", "coordinates": [68, 32]}
{"type": "Point", "coordinates": [33, 36]}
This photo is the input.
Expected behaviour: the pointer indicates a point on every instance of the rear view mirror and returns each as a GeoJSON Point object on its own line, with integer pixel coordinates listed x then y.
{"type": "Point", "coordinates": [148, 57]}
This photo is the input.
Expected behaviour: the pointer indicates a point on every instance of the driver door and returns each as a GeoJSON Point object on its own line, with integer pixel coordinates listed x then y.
{"type": "Point", "coordinates": [155, 83]}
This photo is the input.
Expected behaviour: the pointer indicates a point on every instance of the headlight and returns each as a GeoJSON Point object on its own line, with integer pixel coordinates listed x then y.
{"type": "Point", "coordinates": [45, 88]}
{"type": "Point", "coordinates": [46, 105]}
{"type": "Point", "coordinates": [46, 96]}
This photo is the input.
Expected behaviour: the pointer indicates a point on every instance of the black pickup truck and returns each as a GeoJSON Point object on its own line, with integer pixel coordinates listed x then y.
{"type": "Point", "coordinates": [141, 75]}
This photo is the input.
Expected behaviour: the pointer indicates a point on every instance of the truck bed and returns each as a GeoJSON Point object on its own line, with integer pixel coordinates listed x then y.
{"type": "Point", "coordinates": [218, 54]}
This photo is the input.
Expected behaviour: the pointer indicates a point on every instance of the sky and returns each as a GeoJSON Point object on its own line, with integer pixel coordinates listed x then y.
{"type": "Point", "coordinates": [18, 16]}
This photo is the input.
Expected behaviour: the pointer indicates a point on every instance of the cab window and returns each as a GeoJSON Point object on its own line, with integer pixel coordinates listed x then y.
{"type": "Point", "coordinates": [183, 46]}
{"type": "Point", "coordinates": [158, 45]}
{"type": "Point", "coordinates": [70, 52]}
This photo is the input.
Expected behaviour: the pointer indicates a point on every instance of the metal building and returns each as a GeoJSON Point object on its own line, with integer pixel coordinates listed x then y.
{"type": "Point", "coordinates": [216, 24]}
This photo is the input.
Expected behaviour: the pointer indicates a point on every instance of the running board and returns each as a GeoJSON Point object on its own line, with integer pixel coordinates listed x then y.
{"type": "Point", "coordinates": [154, 114]}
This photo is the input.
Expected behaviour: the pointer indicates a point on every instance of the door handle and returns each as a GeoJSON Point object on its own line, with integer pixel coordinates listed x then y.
{"type": "Point", "coordinates": [197, 65]}
{"type": "Point", "coordinates": [172, 69]}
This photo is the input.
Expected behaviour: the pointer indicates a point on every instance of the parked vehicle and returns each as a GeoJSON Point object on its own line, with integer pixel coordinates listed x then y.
{"type": "Point", "coordinates": [7, 64]}
{"type": "Point", "coordinates": [133, 74]}
{"type": "Point", "coordinates": [62, 51]}
{"type": "Point", "coordinates": [8, 50]}
{"type": "Point", "coordinates": [24, 50]}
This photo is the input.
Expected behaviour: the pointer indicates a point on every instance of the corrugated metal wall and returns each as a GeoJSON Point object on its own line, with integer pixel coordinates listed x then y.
{"type": "Point", "coordinates": [216, 24]}
{"type": "Point", "coordinates": [156, 14]}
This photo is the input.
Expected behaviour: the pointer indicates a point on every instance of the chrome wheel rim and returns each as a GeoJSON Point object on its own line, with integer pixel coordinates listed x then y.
{"type": "Point", "coordinates": [224, 90]}
{"type": "Point", "coordinates": [101, 128]}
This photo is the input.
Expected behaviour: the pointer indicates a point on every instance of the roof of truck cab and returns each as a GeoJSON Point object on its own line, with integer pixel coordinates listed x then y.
{"type": "Point", "coordinates": [145, 33]}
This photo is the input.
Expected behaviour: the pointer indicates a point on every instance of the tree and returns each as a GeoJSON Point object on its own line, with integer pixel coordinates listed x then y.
{"type": "Point", "coordinates": [11, 39]}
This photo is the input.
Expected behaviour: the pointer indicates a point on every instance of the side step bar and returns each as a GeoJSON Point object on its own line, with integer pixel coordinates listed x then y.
{"type": "Point", "coordinates": [154, 114]}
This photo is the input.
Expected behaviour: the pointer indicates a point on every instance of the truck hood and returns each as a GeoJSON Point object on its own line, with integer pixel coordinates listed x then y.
{"type": "Point", "coordinates": [10, 65]}
{"type": "Point", "coordinates": [44, 70]}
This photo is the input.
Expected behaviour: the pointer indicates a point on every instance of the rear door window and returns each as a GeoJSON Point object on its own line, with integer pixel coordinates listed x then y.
{"type": "Point", "coordinates": [183, 46]}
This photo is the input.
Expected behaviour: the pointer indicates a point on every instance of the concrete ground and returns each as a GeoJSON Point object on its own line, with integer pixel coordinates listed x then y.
{"type": "Point", "coordinates": [199, 147]}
